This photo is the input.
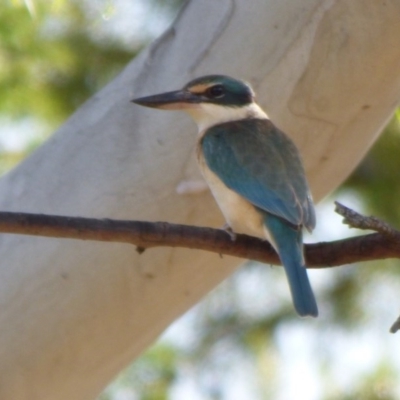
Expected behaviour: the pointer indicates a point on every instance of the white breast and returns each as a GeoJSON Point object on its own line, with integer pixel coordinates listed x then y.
{"type": "Point", "coordinates": [239, 213]}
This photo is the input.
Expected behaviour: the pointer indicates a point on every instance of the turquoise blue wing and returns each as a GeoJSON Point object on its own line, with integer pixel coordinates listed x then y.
{"type": "Point", "coordinates": [258, 161]}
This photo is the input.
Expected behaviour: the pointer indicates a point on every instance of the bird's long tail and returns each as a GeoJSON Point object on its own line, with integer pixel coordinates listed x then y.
{"type": "Point", "coordinates": [289, 244]}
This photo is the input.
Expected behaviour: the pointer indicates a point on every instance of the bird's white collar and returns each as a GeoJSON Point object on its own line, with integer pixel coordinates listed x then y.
{"type": "Point", "coordinates": [207, 114]}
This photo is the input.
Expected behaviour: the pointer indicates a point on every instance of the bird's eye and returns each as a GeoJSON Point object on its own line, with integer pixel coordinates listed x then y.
{"type": "Point", "coordinates": [215, 91]}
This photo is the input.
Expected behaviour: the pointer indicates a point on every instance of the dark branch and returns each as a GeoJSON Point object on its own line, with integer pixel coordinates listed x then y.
{"type": "Point", "coordinates": [151, 234]}
{"type": "Point", "coordinates": [375, 246]}
{"type": "Point", "coordinates": [356, 220]}
{"type": "Point", "coordinates": [396, 326]}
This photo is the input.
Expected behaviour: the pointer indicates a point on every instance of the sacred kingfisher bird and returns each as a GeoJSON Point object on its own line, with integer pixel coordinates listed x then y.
{"type": "Point", "coordinates": [253, 170]}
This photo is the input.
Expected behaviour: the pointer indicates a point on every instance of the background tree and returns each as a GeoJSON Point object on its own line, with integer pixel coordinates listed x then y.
{"type": "Point", "coordinates": [46, 76]}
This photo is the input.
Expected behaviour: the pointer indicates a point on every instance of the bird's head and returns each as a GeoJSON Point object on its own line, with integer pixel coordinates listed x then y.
{"type": "Point", "coordinates": [210, 100]}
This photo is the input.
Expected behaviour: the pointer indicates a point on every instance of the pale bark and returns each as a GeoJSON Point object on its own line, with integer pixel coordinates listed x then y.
{"type": "Point", "coordinates": [74, 313]}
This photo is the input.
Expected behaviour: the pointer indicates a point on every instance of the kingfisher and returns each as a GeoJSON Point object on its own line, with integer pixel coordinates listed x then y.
{"type": "Point", "coordinates": [253, 169]}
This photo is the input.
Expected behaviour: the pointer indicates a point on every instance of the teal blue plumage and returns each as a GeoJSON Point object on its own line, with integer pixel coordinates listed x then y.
{"type": "Point", "coordinates": [260, 163]}
{"type": "Point", "coordinates": [289, 243]}
{"type": "Point", "coordinates": [252, 168]}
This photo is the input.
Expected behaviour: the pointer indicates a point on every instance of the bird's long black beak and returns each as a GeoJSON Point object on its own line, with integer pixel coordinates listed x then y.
{"type": "Point", "coordinates": [176, 100]}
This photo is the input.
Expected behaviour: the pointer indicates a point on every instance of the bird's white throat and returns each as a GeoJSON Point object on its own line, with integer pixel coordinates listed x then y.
{"type": "Point", "coordinates": [207, 114]}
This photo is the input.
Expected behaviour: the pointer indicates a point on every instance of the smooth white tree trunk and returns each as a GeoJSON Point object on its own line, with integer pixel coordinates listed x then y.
{"type": "Point", "coordinates": [72, 314]}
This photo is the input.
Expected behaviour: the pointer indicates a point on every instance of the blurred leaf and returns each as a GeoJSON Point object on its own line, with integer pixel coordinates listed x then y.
{"type": "Point", "coordinates": [377, 178]}
{"type": "Point", "coordinates": [49, 61]}
{"type": "Point", "coordinates": [150, 378]}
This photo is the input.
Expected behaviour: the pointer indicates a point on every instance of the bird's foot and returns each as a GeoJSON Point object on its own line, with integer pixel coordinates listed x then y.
{"type": "Point", "coordinates": [230, 232]}
{"type": "Point", "coordinates": [191, 187]}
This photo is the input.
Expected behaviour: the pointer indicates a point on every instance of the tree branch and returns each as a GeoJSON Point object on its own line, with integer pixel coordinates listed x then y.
{"type": "Point", "coordinates": [396, 326]}
{"type": "Point", "coordinates": [145, 235]}
{"type": "Point", "coordinates": [375, 246]}
{"type": "Point", "coordinates": [356, 220]}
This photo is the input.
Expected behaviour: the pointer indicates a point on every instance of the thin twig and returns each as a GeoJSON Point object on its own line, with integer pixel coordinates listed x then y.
{"type": "Point", "coordinates": [396, 326]}
{"type": "Point", "coordinates": [356, 220]}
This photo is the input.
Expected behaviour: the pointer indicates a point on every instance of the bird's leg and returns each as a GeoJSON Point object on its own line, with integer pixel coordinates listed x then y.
{"type": "Point", "coordinates": [230, 232]}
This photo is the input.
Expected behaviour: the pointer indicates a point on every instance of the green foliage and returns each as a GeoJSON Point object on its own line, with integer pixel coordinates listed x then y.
{"type": "Point", "coordinates": [377, 178]}
{"type": "Point", "coordinates": [378, 384]}
{"type": "Point", "coordinates": [50, 60]}
{"type": "Point", "coordinates": [150, 377]}
{"type": "Point", "coordinates": [343, 296]}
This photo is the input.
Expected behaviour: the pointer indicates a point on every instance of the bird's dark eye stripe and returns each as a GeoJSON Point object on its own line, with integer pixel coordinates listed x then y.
{"type": "Point", "coordinates": [215, 91]}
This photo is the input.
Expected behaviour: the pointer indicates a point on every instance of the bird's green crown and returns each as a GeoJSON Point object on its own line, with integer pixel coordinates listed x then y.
{"type": "Point", "coordinates": [221, 90]}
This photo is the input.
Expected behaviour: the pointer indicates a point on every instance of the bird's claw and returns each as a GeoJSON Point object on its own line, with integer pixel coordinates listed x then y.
{"type": "Point", "coordinates": [230, 232]}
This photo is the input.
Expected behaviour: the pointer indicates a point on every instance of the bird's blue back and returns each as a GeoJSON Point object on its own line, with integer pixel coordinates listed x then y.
{"type": "Point", "coordinates": [259, 162]}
